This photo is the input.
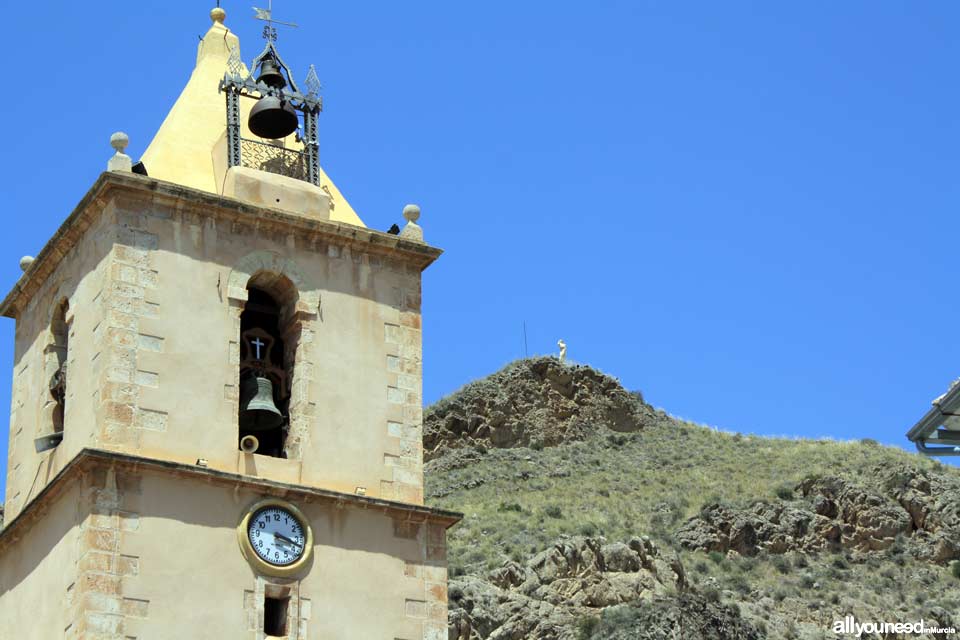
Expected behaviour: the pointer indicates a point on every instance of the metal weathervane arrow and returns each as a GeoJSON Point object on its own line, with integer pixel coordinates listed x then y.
{"type": "Point", "coordinates": [269, 31]}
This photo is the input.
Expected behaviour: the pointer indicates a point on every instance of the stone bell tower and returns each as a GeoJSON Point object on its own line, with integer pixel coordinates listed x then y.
{"type": "Point", "coordinates": [216, 414]}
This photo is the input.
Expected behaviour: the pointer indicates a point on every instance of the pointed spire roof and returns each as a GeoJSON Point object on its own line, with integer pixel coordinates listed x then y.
{"type": "Point", "coordinates": [190, 146]}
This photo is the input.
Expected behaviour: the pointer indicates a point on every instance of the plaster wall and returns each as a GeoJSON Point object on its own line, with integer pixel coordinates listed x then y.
{"type": "Point", "coordinates": [156, 289]}
{"type": "Point", "coordinates": [38, 573]}
{"type": "Point", "coordinates": [175, 568]}
{"type": "Point", "coordinates": [78, 277]}
{"type": "Point", "coordinates": [169, 387]}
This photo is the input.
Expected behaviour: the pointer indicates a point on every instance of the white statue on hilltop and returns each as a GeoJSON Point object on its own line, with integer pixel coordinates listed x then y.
{"type": "Point", "coordinates": [563, 349]}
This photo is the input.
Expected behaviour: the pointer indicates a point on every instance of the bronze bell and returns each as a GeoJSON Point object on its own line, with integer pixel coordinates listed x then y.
{"type": "Point", "coordinates": [270, 73]}
{"type": "Point", "coordinates": [273, 118]}
{"type": "Point", "coordinates": [257, 410]}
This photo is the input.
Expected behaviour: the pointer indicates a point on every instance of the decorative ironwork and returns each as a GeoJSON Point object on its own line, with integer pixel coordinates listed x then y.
{"type": "Point", "coordinates": [302, 165]}
{"type": "Point", "coordinates": [311, 145]}
{"type": "Point", "coordinates": [269, 31]}
{"type": "Point", "coordinates": [274, 159]}
{"type": "Point", "coordinates": [233, 126]}
{"type": "Point", "coordinates": [234, 63]}
{"type": "Point", "coordinates": [313, 82]}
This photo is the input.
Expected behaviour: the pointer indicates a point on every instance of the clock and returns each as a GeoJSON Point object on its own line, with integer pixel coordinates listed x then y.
{"type": "Point", "coordinates": [275, 537]}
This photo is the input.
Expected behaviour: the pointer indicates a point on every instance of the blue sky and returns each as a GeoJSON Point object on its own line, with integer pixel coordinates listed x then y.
{"type": "Point", "coordinates": [743, 209]}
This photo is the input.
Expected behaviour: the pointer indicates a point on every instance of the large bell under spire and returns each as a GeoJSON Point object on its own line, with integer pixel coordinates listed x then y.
{"type": "Point", "coordinates": [273, 116]}
{"type": "Point", "coordinates": [189, 146]}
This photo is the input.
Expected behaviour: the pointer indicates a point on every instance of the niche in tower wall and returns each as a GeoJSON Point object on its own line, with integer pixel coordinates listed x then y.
{"type": "Point", "coordinates": [58, 351]}
{"type": "Point", "coordinates": [264, 395]}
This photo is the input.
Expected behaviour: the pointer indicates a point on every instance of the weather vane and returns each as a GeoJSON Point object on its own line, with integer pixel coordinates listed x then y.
{"type": "Point", "coordinates": [269, 31]}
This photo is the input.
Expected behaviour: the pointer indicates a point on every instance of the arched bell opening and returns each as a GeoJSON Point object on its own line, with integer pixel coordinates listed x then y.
{"type": "Point", "coordinates": [266, 364]}
{"type": "Point", "coordinates": [56, 352]}
{"type": "Point", "coordinates": [60, 332]}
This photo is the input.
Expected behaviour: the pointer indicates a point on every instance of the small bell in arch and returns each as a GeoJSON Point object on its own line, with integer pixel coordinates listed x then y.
{"type": "Point", "coordinates": [257, 409]}
{"type": "Point", "coordinates": [270, 73]}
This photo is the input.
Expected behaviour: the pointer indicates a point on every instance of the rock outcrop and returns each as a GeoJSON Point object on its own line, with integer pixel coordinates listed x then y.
{"type": "Point", "coordinates": [576, 578]}
{"type": "Point", "coordinates": [891, 504]}
{"type": "Point", "coordinates": [686, 615]}
{"type": "Point", "coordinates": [535, 402]}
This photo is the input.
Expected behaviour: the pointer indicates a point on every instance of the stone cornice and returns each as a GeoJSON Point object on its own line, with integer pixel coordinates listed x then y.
{"type": "Point", "coordinates": [89, 459]}
{"type": "Point", "coordinates": [202, 203]}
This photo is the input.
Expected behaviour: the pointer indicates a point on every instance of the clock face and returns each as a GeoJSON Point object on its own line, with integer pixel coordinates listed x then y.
{"type": "Point", "coordinates": [276, 536]}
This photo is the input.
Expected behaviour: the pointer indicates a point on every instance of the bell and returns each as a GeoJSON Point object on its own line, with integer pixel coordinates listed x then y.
{"type": "Point", "coordinates": [270, 73]}
{"type": "Point", "coordinates": [47, 441]}
{"type": "Point", "coordinates": [257, 411]}
{"type": "Point", "coordinates": [273, 118]}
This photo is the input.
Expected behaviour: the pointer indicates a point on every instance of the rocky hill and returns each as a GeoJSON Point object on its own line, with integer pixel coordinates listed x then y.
{"type": "Point", "coordinates": [589, 514]}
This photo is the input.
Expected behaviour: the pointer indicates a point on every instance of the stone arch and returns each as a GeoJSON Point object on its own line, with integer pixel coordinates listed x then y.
{"type": "Point", "coordinates": [283, 279]}
{"type": "Point", "coordinates": [55, 357]}
{"type": "Point", "coordinates": [269, 262]}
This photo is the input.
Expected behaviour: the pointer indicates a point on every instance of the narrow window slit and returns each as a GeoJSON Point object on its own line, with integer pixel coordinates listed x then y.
{"type": "Point", "coordinates": [275, 616]}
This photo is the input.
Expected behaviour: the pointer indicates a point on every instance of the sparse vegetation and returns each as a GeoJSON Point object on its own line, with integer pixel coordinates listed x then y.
{"type": "Point", "coordinates": [620, 485]}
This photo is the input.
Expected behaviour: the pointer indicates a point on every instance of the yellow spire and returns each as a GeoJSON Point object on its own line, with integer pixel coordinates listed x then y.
{"type": "Point", "coordinates": [190, 147]}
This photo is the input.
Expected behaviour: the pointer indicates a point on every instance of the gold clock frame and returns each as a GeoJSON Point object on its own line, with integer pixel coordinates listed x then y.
{"type": "Point", "coordinates": [258, 563]}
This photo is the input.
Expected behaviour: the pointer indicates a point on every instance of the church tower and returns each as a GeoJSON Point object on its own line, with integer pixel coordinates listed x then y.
{"type": "Point", "coordinates": [215, 428]}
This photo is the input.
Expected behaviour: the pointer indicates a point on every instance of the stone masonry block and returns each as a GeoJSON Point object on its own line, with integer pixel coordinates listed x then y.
{"type": "Point", "coordinates": [148, 379]}
{"type": "Point", "coordinates": [128, 566]}
{"type": "Point", "coordinates": [102, 623]}
{"type": "Point", "coordinates": [393, 364]}
{"type": "Point", "coordinates": [437, 592]}
{"type": "Point", "coordinates": [410, 319]}
{"type": "Point", "coordinates": [406, 476]}
{"type": "Point", "coordinates": [104, 583]}
{"type": "Point", "coordinates": [406, 530]}
{"type": "Point", "coordinates": [409, 383]}
{"type": "Point", "coordinates": [118, 413]}
{"type": "Point", "coordinates": [435, 631]}
{"type": "Point", "coordinates": [436, 534]}
{"type": "Point", "coordinates": [149, 309]}
{"type": "Point", "coordinates": [135, 607]}
{"type": "Point", "coordinates": [392, 333]}
{"type": "Point", "coordinates": [129, 521]}
{"type": "Point", "coordinates": [151, 343]}
{"type": "Point", "coordinates": [387, 490]}
{"type": "Point", "coordinates": [415, 608]}
{"type": "Point", "coordinates": [97, 561]}
{"type": "Point", "coordinates": [152, 420]}
{"type": "Point", "coordinates": [411, 493]}
{"type": "Point", "coordinates": [101, 603]}
{"type": "Point", "coordinates": [396, 396]}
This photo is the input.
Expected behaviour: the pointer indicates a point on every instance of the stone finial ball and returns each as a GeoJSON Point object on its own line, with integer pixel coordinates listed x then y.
{"type": "Point", "coordinates": [25, 262]}
{"type": "Point", "coordinates": [119, 141]}
{"type": "Point", "coordinates": [411, 213]}
{"type": "Point", "coordinates": [217, 14]}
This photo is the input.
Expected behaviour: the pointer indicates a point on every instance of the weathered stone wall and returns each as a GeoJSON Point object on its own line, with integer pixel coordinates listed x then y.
{"type": "Point", "coordinates": [171, 383]}
{"type": "Point", "coordinates": [132, 553]}
{"type": "Point", "coordinates": [156, 284]}
{"type": "Point", "coordinates": [79, 277]}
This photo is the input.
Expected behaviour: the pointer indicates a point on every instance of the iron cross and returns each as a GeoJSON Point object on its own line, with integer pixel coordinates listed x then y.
{"type": "Point", "coordinates": [258, 343]}
{"type": "Point", "coordinates": [269, 32]}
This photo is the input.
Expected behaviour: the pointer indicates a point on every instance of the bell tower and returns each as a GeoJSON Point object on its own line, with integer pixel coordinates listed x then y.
{"type": "Point", "coordinates": [216, 414]}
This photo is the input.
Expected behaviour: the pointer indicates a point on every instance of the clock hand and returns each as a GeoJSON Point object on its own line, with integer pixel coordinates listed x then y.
{"type": "Point", "coordinates": [285, 539]}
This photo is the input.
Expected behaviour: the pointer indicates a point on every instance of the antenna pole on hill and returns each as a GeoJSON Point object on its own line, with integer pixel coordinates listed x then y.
{"type": "Point", "coordinates": [525, 353]}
